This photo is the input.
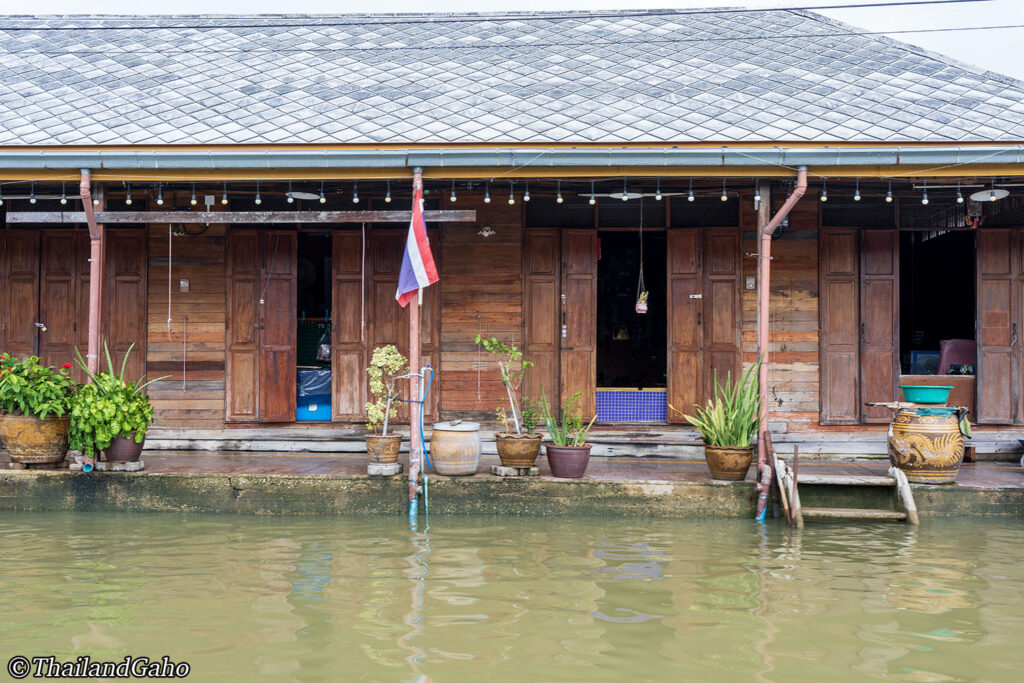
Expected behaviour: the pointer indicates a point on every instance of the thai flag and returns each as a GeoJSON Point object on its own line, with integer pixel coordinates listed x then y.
{"type": "Point", "coordinates": [418, 269]}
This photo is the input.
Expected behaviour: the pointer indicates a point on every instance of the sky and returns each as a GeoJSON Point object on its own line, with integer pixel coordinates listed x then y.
{"type": "Point", "coordinates": [1001, 51]}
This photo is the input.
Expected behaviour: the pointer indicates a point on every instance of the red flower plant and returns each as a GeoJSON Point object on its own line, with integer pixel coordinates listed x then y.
{"type": "Point", "coordinates": [68, 365]}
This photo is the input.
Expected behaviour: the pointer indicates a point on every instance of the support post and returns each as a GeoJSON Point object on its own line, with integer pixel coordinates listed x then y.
{"type": "Point", "coordinates": [415, 452]}
{"type": "Point", "coordinates": [97, 269]}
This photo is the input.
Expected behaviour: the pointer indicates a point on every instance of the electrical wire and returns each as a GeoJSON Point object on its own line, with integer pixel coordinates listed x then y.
{"type": "Point", "coordinates": [377, 20]}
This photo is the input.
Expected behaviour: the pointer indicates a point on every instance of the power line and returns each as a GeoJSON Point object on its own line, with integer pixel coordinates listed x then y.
{"type": "Point", "coordinates": [501, 46]}
{"type": "Point", "coordinates": [373, 20]}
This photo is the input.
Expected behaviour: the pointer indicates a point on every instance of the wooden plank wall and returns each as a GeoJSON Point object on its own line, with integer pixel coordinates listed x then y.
{"type": "Point", "coordinates": [481, 291]}
{"type": "Point", "coordinates": [193, 351]}
{"type": "Point", "coordinates": [793, 373]}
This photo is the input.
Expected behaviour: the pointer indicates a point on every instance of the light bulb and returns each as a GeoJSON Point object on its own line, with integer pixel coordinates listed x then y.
{"type": "Point", "coordinates": [657, 192]}
{"type": "Point", "coordinates": [856, 196]}
{"type": "Point", "coordinates": [725, 197]}
{"type": "Point", "coordinates": [291, 199]}
{"type": "Point", "coordinates": [387, 197]}
{"type": "Point", "coordinates": [355, 193]}
{"type": "Point", "coordinates": [592, 199]}
{"type": "Point", "coordinates": [323, 199]}
{"type": "Point", "coordinates": [959, 195]}
{"type": "Point", "coordinates": [526, 195]}
{"type": "Point", "coordinates": [96, 201]}
{"type": "Point", "coordinates": [453, 198]}
{"type": "Point", "coordinates": [625, 192]}
{"type": "Point", "coordinates": [160, 195]}
{"type": "Point", "coordinates": [224, 195]}
{"type": "Point", "coordinates": [487, 195]}
{"type": "Point", "coordinates": [32, 194]}
{"type": "Point", "coordinates": [259, 200]}
{"type": "Point", "coordinates": [992, 195]}
{"type": "Point", "coordinates": [924, 199]}
{"type": "Point", "coordinates": [193, 201]}
{"type": "Point", "coordinates": [690, 197]}
{"type": "Point", "coordinates": [63, 198]}
{"type": "Point", "coordinates": [511, 199]}
{"type": "Point", "coordinates": [559, 197]}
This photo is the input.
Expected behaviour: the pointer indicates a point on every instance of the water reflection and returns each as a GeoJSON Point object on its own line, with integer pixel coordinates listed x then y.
{"type": "Point", "coordinates": [532, 599]}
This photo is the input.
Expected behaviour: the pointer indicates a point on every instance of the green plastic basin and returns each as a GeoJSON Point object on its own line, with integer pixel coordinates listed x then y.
{"type": "Point", "coordinates": [923, 394]}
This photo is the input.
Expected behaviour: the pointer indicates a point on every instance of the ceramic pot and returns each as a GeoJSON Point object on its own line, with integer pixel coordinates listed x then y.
{"type": "Point", "coordinates": [518, 451]}
{"type": "Point", "coordinates": [926, 443]}
{"type": "Point", "coordinates": [455, 448]}
{"type": "Point", "coordinates": [124, 449]}
{"type": "Point", "coordinates": [728, 464]}
{"type": "Point", "coordinates": [383, 450]}
{"type": "Point", "coordinates": [34, 440]}
{"type": "Point", "coordinates": [568, 462]}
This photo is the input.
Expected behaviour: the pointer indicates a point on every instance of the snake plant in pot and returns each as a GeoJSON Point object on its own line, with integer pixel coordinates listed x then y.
{"type": "Point", "coordinates": [729, 424]}
{"type": "Point", "coordinates": [568, 453]}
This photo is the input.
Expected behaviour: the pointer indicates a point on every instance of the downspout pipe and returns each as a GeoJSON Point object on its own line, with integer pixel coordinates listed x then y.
{"type": "Point", "coordinates": [92, 357]}
{"type": "Point", "coordinates": [763, 297]}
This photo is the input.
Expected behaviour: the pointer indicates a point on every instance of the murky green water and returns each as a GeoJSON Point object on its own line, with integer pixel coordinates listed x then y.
{"type": "Point", "coordinates": [309, 599]}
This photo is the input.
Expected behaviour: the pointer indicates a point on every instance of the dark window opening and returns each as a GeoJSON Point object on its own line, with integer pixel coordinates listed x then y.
{"type": "Point", "coordinates": [631, 347]}
{"type": "Point", "coordinates": [937, 302]}
{"type": "Point", "coordinates": [313, 338]}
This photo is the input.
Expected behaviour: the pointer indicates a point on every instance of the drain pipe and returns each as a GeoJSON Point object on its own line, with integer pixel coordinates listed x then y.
{"type": "Point", "coordinates": [92, 357]}
{"type": "Point", "coordinates": [763, 335]}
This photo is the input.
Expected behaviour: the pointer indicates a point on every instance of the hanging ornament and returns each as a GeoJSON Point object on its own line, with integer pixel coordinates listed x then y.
{"type": "Point", "coordinates": [641, 288]}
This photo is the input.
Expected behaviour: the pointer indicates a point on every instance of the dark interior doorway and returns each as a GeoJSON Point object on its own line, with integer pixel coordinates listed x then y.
{"type": "Point", "coordinates": [937, 301]}
{"type": "Point", "coordinates": [631, 347]}
{"type": "Point", "coordinates": [313, 338]}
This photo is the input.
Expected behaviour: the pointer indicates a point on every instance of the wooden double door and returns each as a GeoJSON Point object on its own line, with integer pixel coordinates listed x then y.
{"type": "Point", "coordinates": [560, 313]}
{"type": "Point", "coordinates": [44, 296]}
{"type": "Point", "coordinates": [261, 320]}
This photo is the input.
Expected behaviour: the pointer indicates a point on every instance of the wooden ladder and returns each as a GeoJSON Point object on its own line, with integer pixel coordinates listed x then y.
{"type": "Point", "coordinates": [904, 508]}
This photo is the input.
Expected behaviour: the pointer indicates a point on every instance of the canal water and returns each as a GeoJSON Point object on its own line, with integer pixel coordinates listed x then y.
{"type": "Point", "coordinates": [482, 598]}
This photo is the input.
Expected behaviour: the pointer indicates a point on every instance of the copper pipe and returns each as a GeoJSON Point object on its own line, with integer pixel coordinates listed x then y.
{"type": "Point", "coordinates": [415, 453]}
{"type": "Point", "coordinates": [763, 298]}
{"type": "Point", "coordinates": [96, 270]}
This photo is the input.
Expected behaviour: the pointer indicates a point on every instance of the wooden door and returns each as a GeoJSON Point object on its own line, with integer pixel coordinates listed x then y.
{"type": "Point", "coordinates": [64, 254]}
{"type": "Point", "coordinates": [721, 304]}
{"type": "Point", "coordinates": [997, 270]}
{"type": "Point", "coordinates": [19, 292]}
{"type": "Point", "coordinates": [124, 307]}
{"type": "Point", "coordinates": [879, 321]}
{"type": "Point", "coordinates": [579, 318]}
{"type": "Point", "coordinates": [348, 354]}
{"type": "Point", "coordinates": [541, 328]}
{"type": "Point", "coordinates": [685, 322]}
{"type": "Point", "coordinates": [278, 294]}
{"type": "Point", "coordinates": [839, 332]}
{"type": "Point", "coordinates": [243, 326]}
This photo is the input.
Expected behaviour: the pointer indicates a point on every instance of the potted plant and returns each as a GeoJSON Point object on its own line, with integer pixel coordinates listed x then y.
{"type": "Point", "coordinates": [518, 445]}
{"type": "Point", "coordinates": [568, 452]}
{"type": "Point", "coordinates": [111, 415]}
{"type": "Point", "coordinates": [386, 365]}
{"type": "Point", "coordinates": [35, 401]}
{"type": "Point", "coordinates": [729, 424]}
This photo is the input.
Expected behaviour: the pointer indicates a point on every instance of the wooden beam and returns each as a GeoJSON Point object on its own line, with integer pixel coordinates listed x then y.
{"type": "Point", "coordinates": [247, 217]}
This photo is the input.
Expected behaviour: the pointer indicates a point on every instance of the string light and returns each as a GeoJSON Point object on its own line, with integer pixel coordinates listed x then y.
{"type": "Point", "coordinates": [159, 194]}
{"type": "Point", "coordinates": [355, 192]}
{"type": "Point", "coordinates": [625, 192]}
{"type": "Point", "coordinates": [690, 197]}
{"type": "Point", "coordinates": [63, 192]}
{"type": "Point", "coordinates": [924, 197]}
{"type": "Point", "coordinates": [453, 197]}
{"type": "Point", "coordinates": [526, 195]}
{"type": "Point", "coordinates": [593, 200]}
{"type": "Point", "coordinates": [487, 194]}
{"type": "Point", "coordinates": [992, 192]}
{"type": "Point", "coordinates": [856, 193]}
{"type": "Point", "coordinates": [291, 199]}
{"type": "Point", "coordinates": [757, 195]}
{"type": "Point", "coordinates": [387, 197]}
{"type": "Point", "coordinates": [224, 195]}
{"type": "Point", "coordinates": [725, 195]}
{"type": "Point", "coordinates": [193, 201]}
{"type": "Point", "coordinates": [323, 198]}
{"type": "Point", "coordinates": [1, 196]}
{"type": "Point", "coordinates": [559, 197]}
{"type": "Point", "coordinates": [511, 193]}
{"type": "Point", "coordinates": [657, 192]}
{"type": "Point", "coordinates": [95, 200]}
{"type": "Point", "coordinates": [259, 200]}
{"type": "Point", "coordinates": [32, 194]}
{"type": "Point", "coordinates": [824, 190]}
{"type": "Point", "coordinates": [959, 195]}
{"type": "Point", "coordinates": [888, 195]}
{"type": "Point", "coordinates": [128, 197]}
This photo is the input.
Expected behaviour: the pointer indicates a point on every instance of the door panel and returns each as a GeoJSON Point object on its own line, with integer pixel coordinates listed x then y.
{"type": "Point", "coordinates": [579, 312]}
{"type": "Point", "coordinates": [839, 313]}
{"type": "Point", "coordinates": [541, 285]}
{"type": "Point", "coordinates": [685, 330]}
{"type": "Point", "coordinates": [277, 326]}
{"type": "Point", "coordinates": [19, 295]}
{"type": "Point", "coordinates": [997, 334]}
{"type": "Point", "coordinates": [243, 293]}
{"type": "Point", "coordinates": [124, 309]}
{"type": "Point", "coordinates": [879, 297]}
{"type": "Point", "coordinates": [721, 302]}
{"type": "Point", "coordinates": [58, 296]}
{"type": "Point", "coordinates": [348, 356]}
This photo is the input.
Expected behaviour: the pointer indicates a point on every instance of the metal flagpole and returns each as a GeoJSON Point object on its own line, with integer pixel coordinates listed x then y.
{"type": "Point", "coordinates": [415, 452]}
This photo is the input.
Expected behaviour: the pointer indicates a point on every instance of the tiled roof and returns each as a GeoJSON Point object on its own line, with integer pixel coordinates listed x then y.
{"type": "Point", "coordinates": [501, 78]}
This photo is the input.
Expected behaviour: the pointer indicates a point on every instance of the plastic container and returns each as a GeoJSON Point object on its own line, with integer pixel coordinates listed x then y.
{"type": "Point", "coordinates": [925, 394]}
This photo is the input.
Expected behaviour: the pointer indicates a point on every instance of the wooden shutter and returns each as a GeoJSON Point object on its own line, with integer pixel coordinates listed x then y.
{"type": "Point", "coordinates": [348, 357]}
{"type": "Point", "coordinates": [541, 328]}
{"type": "Point", "coordinates": [879, 320]}
{"type": "Point", "coordinates": [243, 326]}
{"type": "Point", "coordinates": [579, 317]}
{"type": "Point", "coordinates": [685, 329]}
{"type": "Point", "coordinates": [997, 326]}
{"type": "Point", "coordinates": [278, 326]}
{"type": "Point", "coordinates": [124, 306]}
{"type": "Point", "coordinates": [721, 304]}
{"type": "Point", "coordinates": [839, 337]}
{"type": "Point", "coordinates": [19, 292]}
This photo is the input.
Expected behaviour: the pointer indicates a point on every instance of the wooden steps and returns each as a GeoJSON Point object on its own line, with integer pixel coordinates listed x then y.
{"type": "Point", "coordinates": [846, 480]}
{"type": "Point", "coordinates": [854, 513]}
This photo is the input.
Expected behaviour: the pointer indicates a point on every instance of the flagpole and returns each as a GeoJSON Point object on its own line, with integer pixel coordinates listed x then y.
{"type": "Point", "coordinates": [415, 454]}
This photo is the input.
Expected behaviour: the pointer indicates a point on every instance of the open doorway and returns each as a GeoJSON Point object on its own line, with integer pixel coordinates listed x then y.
{"type": "Point", "coordinates": [631, 346]}
{"type": "Point", "coordinates": [313, 336]}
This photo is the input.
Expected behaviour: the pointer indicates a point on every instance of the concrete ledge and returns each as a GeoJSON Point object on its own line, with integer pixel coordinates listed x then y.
{"type": "Point", "coordinates": [479, 494]}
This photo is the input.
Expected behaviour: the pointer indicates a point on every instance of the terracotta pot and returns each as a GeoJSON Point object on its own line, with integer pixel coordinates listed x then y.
{"type": "Point", "coordinates": [518, 451]}
{"type": "Point", "coordinates": [124, 449]}
{"type": "Point", "coordinates": [383, 450]}
{"type": "Point", "coordinates": [33, 440]}
{"type": "Point", "coordinates": [455, 448]}
{"type": "Point", "coordinates": [929, 448]}
{"type": "Point", "coordinates": [568, 462]}
{"type": "Point", "coordinates": [728, 464]}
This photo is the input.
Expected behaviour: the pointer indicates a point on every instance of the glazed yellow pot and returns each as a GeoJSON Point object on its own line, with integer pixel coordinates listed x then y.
{"type": "Point", "coordinates": [926, 443]}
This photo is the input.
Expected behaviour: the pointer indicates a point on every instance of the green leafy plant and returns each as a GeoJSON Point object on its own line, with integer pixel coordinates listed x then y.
{"type": "Point", "coordinates": [513, 369]}
{"type": "Point", "coordinates": [386, 365]}
{"type": "Point", "coordinates": [571, 432]}
{"type": "Point", "coordinates": [28, 387]}
{"type": "Point", "coordinates": [109, 407]}
{"type": "Point", "coordinates": [531, 414]}
{"type": "Point", "coordinates": [732, 417]}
